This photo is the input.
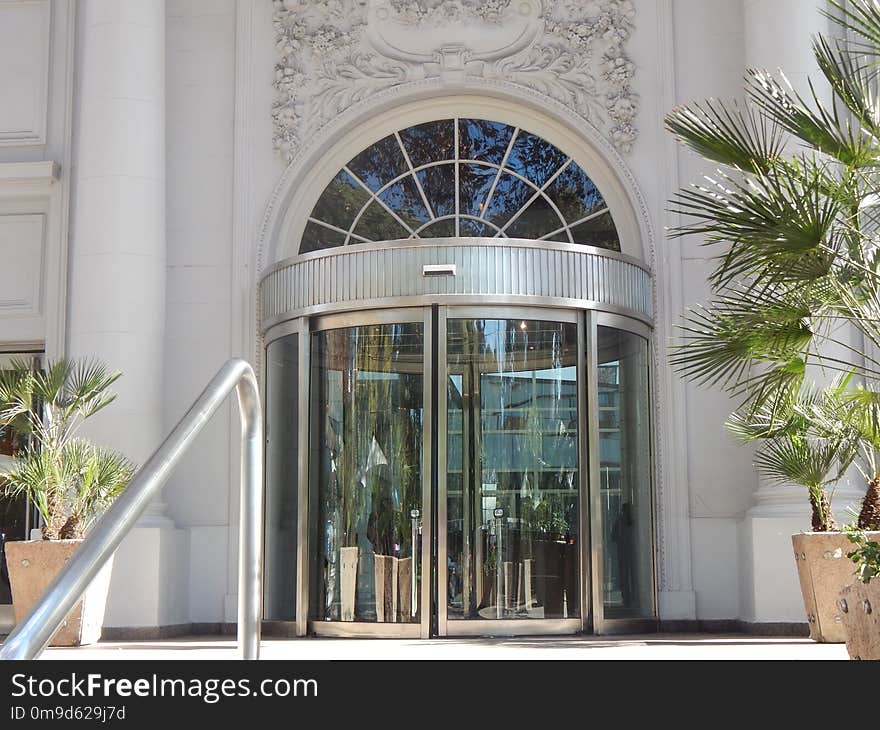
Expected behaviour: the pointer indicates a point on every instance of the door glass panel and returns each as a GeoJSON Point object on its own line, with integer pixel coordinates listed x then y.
{"type": "Point", "coordinates": [282, 457]}
{"type": "Point", "coordinates": [366, 443]}
{"type": "Point", "coordinates": [625, 474]}
{"type": "Point", "coordinates": [512, 462]}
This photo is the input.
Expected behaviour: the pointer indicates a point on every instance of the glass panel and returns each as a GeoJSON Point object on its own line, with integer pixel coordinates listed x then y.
{"type": "Point", "coordinates": [404, 199]}
{"type": "Point", "coordinates": [377, 224]}
{"type": "Point", "coordinates": [429, 142]}
{"type": "Point", "coordinates": [535, 221]}
{"type": "Point", "coordinates": [282, 429]}
{"type": "Point", "coordinates": [439, 185]}
{"type": "Point", "coordinates": [534, 158]}
{"type": "Point", "coordinates": [512, 460]}
{"type": "Point", "coordinates": [367, 421]}
{"type": "Point", "coordinates": [575, 194]}
{"type": "Point", "coordinates": [625, 474]}
{"type": "Point", "coordinates": [599, 231]}
{"type": "Point", "coordinates": [475, 182]}
{"type": "Point", "coordinates": [317, 237]}
{"type": "Point", "coordinates": [471, 227]}
{"type": "Point", "coordinates": [439, 229]}
{"type": "Point", "coordinates": [479, 139]}
{"type": "Point", "coordinates": [510, 195]}
{"type": "Point", "coordinates": [341, 201]}
{"type": "Point", "coordinates": [380, 163]}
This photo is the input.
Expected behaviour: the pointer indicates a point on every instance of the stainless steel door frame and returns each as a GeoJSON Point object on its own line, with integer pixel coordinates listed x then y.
{"type": "Point", "coordinates": [308, 494]}
{"type": "Point", "coordinates": [506, 627]}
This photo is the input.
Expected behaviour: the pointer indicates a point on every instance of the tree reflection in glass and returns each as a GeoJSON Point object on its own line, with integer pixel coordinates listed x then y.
{"type": "Point", "coordinates": [404, 184]}
{"type": "Point", "coordinates": [367, 411]}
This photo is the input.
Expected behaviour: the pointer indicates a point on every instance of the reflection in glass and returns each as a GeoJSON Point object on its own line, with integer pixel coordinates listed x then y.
{"type": "Point", "coordinates": [380, 163]}
{"type": "Point", "coordinates": [426, 143]}
{"type": "Point", "coordinates": [536, 220]}
{"type": "Point", "coordinates": [375, 220]}
{"type": "Point", "coordinates": [474, 184]}
{"type": "Point", "coordinates": [598, 231]}
{"type": "Point", "coordinates": [575, 194]}
{"type": "Point", "coordinates": [366, 444]}
{"type": "Point", "coordinates": [404, 199]}
{"type": "Point", "coordinates": [510, 195]}
{"type": "Point", "coordinates": [282, 452]}
{"type": "Point", "coordinates": [625, 474]}
{"type": "Point", "coordinates": [480, 139]}
{"type": "Point", "coordinates": [317, 238]}
{"type": "Point", "coordinates": [535, 158]}
{"type": "Point", "coordinates": [512, 470]}
{"type": "Point", "coordinates": [341, 202]}
{"type": "Point", "coordinates": [439, 185]}
{"type": "Point", "coordinates": [479, 176]}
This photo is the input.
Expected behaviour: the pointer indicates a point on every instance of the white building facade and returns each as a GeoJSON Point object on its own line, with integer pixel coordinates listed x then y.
{"type": "Point", "coordinates": [437, 228]}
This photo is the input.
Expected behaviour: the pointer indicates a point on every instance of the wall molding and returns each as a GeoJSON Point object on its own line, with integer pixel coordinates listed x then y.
{"type": "Point", "coordinates": [336, 54]}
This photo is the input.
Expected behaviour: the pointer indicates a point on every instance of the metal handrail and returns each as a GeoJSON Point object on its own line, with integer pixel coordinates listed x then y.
{"type": "Point", "coordinates": [32, 635]}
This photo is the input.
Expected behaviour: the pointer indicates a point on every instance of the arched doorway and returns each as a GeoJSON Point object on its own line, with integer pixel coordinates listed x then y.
{"type": "Point", "coordinates": [457, 389]}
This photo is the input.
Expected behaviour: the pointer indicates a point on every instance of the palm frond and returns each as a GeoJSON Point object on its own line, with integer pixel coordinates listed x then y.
{"type": "Point", "coordinates": [728, 134]}
{"type": "Point", "coordinates": [818, 127]}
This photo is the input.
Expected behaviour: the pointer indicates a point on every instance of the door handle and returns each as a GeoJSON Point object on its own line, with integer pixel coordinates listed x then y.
{"type": "Point", "coordinates": [416, 531]}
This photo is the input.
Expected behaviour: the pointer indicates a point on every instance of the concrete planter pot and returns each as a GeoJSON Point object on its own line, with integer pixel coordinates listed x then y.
{"type": "Point", "coordinates": [33, 565]}
{"type": "Point", "coordinates": [860, 605]}
{"type": "Point", "coordinates": [823, 571]}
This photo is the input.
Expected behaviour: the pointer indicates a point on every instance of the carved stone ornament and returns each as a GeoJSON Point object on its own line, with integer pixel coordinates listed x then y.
{"type": "Point", "coordinates": [336, 53]}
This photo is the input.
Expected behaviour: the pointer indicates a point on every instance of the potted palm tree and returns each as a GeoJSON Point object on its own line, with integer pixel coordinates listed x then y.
{"type": "Point", "coordinates": [793, 211]}
{"type": "Point", "coordinates": [68, 479]}
{"type": "Point", "coordinates": [810, 438]}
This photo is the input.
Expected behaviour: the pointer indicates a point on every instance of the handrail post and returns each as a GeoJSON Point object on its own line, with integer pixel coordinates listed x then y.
{"type": "Point", "coordinates": [250, 533]}
{"type": "Point", "coordinates": [31, 636]}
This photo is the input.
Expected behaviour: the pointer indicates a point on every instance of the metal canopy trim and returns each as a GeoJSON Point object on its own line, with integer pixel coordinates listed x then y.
{"type": "Point", "coordinates": [390, 274]}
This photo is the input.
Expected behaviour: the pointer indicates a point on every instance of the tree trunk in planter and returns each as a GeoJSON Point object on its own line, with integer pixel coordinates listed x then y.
{"type": "Point", "coordinates": [860, 606]}
{"type": "Point", "coordinates": [823, 571]}
{"type": "Point", "coordinates": [348, 561]}
{"type": "Point", "coordinates": [33, 565]}
{"type": "Point", "coordinates": [404, 589]}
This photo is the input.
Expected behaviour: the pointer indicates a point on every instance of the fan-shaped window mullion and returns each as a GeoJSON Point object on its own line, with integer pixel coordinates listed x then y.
{"type": "Point", "coordinates": [500, 169]}
{"type": "Point", "coordinates": [540, 194]}
{"type": "Point", "coordinates": [378, 201]}
{"type": "Point", "coordinates": [489, 196]}
{"type": "Point", "coordinates": [415, 177]}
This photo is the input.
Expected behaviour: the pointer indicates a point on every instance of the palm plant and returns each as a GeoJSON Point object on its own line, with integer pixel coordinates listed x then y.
{"type": "Point", "coordinates": [805, 438]}
{"type": "Point", "coordinates": [69, 479]}
{"type": "Point", "coordinates": [795, 212]}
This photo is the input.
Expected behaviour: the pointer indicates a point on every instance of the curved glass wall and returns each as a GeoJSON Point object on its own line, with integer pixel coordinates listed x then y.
{"type": "Point", "coordinates": [282, 460]}
{"type": "Point", "coordinates": [625, 474]}
{"type": "Point", "coordinates": [513, 504]}
{"type": "Point", "coordinates": [460, 177]}
{"type": "Point", "coordinates": [366, 442]}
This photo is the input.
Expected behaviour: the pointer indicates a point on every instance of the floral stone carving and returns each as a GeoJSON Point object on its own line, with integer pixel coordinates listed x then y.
{"type": "Point", "coordinates": [333, 54]}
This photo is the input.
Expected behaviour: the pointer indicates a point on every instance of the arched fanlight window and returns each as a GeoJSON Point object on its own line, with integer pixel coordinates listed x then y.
{"type": "Point", "coordinates": [460, 177]}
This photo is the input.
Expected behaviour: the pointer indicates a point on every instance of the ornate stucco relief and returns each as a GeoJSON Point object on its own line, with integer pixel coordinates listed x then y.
{"type": "Point", "coordinates": [333, 54]}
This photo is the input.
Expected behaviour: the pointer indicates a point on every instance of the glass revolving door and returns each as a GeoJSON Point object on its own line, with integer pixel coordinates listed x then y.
{"type": "Point", "coordinates": [512, 477]}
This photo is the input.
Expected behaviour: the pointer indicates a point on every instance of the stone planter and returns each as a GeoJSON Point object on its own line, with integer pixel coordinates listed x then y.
{"type": "Point", "coordinates": [824, 570]}
{"type": "Point", "coordinates": [33, 565]}
{"type": "Point", "coordinates": [860, 606]}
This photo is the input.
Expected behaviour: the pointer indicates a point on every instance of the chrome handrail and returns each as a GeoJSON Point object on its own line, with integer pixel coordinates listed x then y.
{"type": "Point", "coordinates": [32, 635]}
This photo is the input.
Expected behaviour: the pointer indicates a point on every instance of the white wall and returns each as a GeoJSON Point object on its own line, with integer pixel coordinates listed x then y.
{"type": "Point", "coordinates": [200, 85]}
